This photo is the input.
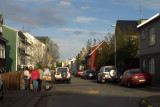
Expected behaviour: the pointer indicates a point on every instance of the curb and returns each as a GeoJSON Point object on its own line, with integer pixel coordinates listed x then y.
{"type": "Point", "coordinates": [144, 103]}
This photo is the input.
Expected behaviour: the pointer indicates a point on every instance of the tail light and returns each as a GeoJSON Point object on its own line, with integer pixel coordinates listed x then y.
{"type": "Point", "coordinates": [86, 74]}
{"type": "Point", "coordinates": [103, 75]}
{"type": "Point", "coordinates": [94, 73]}
{"type": "Point", "coordinates": [69, 72]}
{"type": "Point", "coordinates": [55, 72]}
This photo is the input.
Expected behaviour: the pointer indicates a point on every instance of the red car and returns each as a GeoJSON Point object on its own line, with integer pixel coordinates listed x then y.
{"type": "Point", "coordinates": [135, 76]}
{"type": "Point", "coordinates": [78, 73]}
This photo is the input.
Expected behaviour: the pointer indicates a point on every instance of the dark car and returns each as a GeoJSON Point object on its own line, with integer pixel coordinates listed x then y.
{"type": "Point", "coordinates": [89, 74]}
{"type": "Point", "coordinates": [135, 76]}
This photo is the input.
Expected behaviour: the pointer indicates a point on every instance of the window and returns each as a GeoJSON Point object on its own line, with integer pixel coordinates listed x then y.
{"type": "Point", "coordinates": [2, 51]}
{"type": "Point", "coordinates": [144, 63]}
{"type": "Point", "coordinates": [100, 50]}
{"type": "Point", "coordinates": [152, 65]}
{"type": "Point", "coordinates": [142, 34]}
{"type": "Point", "coordinates": [151, 36]}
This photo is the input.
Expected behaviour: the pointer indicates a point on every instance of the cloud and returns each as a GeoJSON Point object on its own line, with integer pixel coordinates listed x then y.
{"type": "Point", "coordinates": [148, 4]}
{"type": "Point", "coordinates": [64, 3]}
{"type": "Point", "coordinates": [83, 33]}
{"type": "Point", "coordinates": [81, 19]}
{"type": "Point", "coordinates": [85, 7]}
{"type": "Point", "coordinates": [48, 15]}
{"type": "Point", "coordinates": [68, 48]}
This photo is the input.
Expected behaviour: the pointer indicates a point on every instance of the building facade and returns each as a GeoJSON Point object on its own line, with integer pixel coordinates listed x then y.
{"type": "Point", "coordinates": [2, 48]}
{"type": "Point", "coordinates": [15, 48]}
{"type": "Point", "coordinates": [92, 58]}
{"type": "Point", "coordinates": [150, 46]}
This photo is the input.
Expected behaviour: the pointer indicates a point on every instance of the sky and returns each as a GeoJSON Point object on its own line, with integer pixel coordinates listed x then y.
{"type": "Point", "coordinates": [70, 23]}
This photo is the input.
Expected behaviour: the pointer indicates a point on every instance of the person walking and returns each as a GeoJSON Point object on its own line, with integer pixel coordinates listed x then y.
{"type": "Point", "coordinates": [40, 78]}
{"type": "Point", "coordinates": [47, 77]}
{"type": "Point", "coordinates": [27, 77]}
{"type": "Point", "coordinates": [35, 76]}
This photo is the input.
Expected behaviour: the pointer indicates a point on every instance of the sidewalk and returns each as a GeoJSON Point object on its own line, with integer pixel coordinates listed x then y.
{"type": "Point", "coordinates": [151, 101]}
{"type": "Point", "coordinates": [20, 98]}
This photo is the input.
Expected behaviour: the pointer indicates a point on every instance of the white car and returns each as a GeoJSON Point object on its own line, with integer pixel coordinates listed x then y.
{"type": "Point", "coordinates": [62, 74]}
{"type": "Point", "coordinates": [107, 74]}
{"type": "Point", "coordinates": [1, 87]}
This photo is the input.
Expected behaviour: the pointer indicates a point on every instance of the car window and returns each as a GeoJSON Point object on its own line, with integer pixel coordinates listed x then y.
{"type": "Point", "coordinates": [109, 69]}
{"type": "Point", "coordinates": [90, 71]}
{"type": "Point", "coordinates": [59, 70]}
{"type": "Point", "coordinates": [137, 71]}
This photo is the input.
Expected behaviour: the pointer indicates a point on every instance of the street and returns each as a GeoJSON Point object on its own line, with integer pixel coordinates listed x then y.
{"type": "Point", "coordinates": [84, 93]}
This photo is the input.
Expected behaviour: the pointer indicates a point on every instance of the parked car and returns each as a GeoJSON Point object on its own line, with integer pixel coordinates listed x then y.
{"type": "Point", "coordinates": [135, 76]}
{"type": "Point", "coordinates": [107, 74]}
{"type": "Point", "coordinates": [78, 73]}
{"type": "Point", "coordinates": [1, 87]}
{"type": "Point", "coordinates": [62, 74]}
{"type": "Point", "coordinates": [89, 74]}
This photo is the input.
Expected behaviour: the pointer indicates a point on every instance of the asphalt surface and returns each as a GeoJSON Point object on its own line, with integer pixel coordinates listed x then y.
{"type": "Point", "coordinates": [84, 93]}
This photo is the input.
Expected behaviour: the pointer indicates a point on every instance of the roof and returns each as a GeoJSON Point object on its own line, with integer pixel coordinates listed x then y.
{"type": "Point", "coordinates": [10, 28]}
{"type": "Point", "coordinates": [149, 20]}
{"type": "Point", "coordinates": [43, 39]}
{"type": "Point", "coordinates": [96, 48]}
{"type": "Point", "coordinates": [124, 25]}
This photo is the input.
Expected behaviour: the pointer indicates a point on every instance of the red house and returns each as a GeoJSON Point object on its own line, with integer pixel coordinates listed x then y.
{"type": "Point", "coordinates": [92, 58]}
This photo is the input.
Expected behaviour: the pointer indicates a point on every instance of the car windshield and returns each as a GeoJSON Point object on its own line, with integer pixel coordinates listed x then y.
{"type": "Point", "coordinates": [90, 71]}
{"type": "Point", "coordinates": [137, 72]}
{"type": "Point", "coordinates": [59, 70]}
{"type": "Point", "coordinates": [109, 69]}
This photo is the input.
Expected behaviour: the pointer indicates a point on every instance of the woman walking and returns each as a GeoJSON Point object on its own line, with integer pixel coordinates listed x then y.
{"type": "Point", "coordinates": [47, 77]}
{"type": "Point", "coordinates": [35, 76]}
{"type": "Point", "coordinates": [27, 77]}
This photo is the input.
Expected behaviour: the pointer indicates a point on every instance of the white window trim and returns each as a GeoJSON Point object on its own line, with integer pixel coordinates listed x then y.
{"type": "Point", "coordinates": [151, 36]}
{"type": "Point", "coordinates": [152, 65]}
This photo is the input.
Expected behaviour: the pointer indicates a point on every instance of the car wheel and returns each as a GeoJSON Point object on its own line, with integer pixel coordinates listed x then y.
{"type": "Point", "coordinates": [148, 84]}
{"type": "Point", "coordinates": [1, 93]}
{"type": "Point", "coordinates": [120, 82]}
{"type": "Point", "coordinates": [69, 81]}
{"type": "Point", "coordinates": [129, 85]}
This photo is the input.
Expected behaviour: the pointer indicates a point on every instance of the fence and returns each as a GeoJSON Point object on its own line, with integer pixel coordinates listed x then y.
{"type": "Point", "coordinates": [13, 80]}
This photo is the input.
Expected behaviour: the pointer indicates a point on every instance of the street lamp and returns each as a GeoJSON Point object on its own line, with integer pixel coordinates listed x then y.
{"type": "Point", "coordinates": [114, 46]}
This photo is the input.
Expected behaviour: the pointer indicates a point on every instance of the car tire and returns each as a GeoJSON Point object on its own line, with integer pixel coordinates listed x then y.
{"type": "Point", "coordinates": [1, 93]}
{"type": "Point", "coordinates": [149, 84]}
{"type": "Point", "coordinates": [129, 84]}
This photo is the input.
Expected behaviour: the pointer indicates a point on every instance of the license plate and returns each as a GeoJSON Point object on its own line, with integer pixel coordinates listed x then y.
{"type": "Point", "coordinates": [142, 80]}
{"type": "Point", "coordinates": [90, 75]}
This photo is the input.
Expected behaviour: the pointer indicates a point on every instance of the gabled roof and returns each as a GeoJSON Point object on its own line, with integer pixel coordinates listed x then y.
{"type": "Point", "coordinates": [96, 48]}
{"type": "Point", "coordinates": [123, 25]}
{"type": "Point", "coordinates": [149, 20]}
{"type": "Point", "coordinates": [10, 28]}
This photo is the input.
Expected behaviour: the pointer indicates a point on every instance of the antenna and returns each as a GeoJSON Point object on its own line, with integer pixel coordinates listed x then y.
{"type": "Point", "coordinates": [140, 9]}
{"type": "Point", "coordinates": [23, 28]}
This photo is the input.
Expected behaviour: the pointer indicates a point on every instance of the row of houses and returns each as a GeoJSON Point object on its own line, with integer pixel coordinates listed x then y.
{"type": "Point", "coordinates": [18, 49]}
{"type": "Point", "coordinates": [147, 30]}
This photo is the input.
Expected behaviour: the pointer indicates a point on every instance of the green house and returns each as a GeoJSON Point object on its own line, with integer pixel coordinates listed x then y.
{"type": "Point", "coordinates": [15, 48]}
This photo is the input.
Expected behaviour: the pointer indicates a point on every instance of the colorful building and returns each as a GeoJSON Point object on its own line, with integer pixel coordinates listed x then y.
{"type": "Point", "coordinates": [2, 48]}
{"type": "Point", "coordinates": [92, 58]}
{"type": "Point", "coordinates": [15, 48]}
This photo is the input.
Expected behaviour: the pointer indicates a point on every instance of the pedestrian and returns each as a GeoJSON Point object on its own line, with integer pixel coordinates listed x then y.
{"type": "Point", "coordinates": [35, 76]}
{"type": "Point", "coordinates": [47, 77]}
{"type": "Point", "coordinates": [27, 77]}
{"type": "Point", "coordinates": [40, 78]}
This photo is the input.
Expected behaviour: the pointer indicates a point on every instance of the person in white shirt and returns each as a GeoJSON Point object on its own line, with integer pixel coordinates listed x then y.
{"type": "Point", "coordinates": [27, 77]}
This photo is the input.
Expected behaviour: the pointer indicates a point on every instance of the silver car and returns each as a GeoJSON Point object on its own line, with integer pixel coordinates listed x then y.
{"type": "Point", "coordinates": [107, 74]}
{"type": "Point", "coordinates": [1, 87]}
{"type": "Point", "coordinates": [62, 74]}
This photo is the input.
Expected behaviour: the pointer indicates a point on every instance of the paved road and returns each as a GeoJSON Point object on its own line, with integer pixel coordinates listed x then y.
{"type": "Point", "coordinates": [88, 93]}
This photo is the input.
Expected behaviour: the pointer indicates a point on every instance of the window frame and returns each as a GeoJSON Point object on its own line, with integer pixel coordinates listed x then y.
{"type": "Point", "coordinates": [151, 35]}
{"type": "Point", "coordinates": [152, 65]}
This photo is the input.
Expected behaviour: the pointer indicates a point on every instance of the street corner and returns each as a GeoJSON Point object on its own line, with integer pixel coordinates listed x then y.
{"type": "Point", "coordinates": [151, 101]}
